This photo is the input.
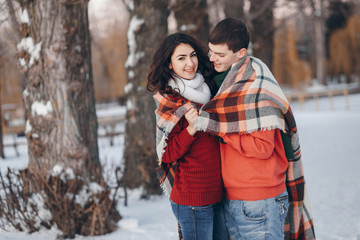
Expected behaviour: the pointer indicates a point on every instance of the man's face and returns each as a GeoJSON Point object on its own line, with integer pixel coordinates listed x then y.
{"type": "Point", "coordinates": [222, 57]}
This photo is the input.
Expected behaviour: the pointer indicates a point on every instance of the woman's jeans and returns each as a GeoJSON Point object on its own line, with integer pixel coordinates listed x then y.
{"type": "Point", "coordinates": [255, 220]}
{"type": "Point", "coordinates": [201, 222]}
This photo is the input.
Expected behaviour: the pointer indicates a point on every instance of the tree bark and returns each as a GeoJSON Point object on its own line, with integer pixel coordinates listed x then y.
{"type": "Point", "coordinates": [147, 28]}
{"type": "Point", "coordinates": [261, 23]}
{"type": "Point", "coordinates": [61, 127]}
{"type": "Point", "coordinates": [319, 28]}
{"type": "Point", "coordinates": [234, 9]}
{"type": "Point", "coordinates": [2, 155]}
{"type": "Point", "coordinates": [59, 97]}
{"type": "Point", "coordinates": [192, 18]}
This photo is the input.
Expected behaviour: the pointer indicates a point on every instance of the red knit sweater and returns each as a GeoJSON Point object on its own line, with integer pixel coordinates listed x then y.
{"type": "Point", "coordinates": [198, 175]}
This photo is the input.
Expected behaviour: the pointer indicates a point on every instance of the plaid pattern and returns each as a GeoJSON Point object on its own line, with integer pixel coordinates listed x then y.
{"type": "Point", "coordinates": [251, 100]}
{"type": "Point", "coordinates": [168, 114]}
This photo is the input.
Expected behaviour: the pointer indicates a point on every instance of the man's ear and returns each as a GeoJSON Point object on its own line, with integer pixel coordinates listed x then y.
{"type": "Point", "coordinates": [242, 53]}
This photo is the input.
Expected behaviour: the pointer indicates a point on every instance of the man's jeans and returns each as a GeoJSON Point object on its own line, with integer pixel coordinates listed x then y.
{"type": "Point", "coordinates": [201, 222]}
{"type": "Point", "coordinates": [255, 220]}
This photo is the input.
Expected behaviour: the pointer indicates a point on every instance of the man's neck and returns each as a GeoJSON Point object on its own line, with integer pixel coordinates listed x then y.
{"type": "Point", "coordinates": [219, 78]}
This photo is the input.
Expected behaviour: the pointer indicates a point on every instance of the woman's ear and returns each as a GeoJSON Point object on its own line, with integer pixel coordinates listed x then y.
{"type": "Point", "coordinates": [170, 66]}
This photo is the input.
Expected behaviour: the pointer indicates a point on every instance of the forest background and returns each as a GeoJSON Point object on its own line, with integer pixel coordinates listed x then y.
{"type": "Point", "coordinates": [60, 58]}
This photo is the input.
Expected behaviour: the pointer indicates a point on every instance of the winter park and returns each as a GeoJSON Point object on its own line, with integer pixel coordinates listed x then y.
{"type": "Point", "coordinates": [78, 148]}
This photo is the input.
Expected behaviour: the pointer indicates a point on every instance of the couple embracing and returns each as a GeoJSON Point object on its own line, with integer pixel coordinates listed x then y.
{"type": "Point", "coordinates": [227, 142]}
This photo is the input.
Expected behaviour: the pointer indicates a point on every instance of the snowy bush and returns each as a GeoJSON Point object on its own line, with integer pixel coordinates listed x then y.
{"type": "Point", "coordinates": [70, 202]}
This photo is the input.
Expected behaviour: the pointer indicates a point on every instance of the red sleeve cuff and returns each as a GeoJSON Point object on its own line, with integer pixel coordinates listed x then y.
{"type": "Point", "coordinates": [186, 138]}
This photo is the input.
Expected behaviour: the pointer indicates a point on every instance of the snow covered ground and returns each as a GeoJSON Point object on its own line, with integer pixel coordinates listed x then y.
{"type": "Point", "coordinates": [329, 141]}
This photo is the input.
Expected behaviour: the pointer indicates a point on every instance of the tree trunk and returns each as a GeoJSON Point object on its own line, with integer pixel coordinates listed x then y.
{"type": "Point", "coordinates": [61, 127]}
{"type": "Point", "coordinates": [261, 23]}
{"type": "Point", "coordinates": [59, 99]}
{"type": "Point", "coordinates": [147, 28]}
{"type": "Point", "coordinates": [234, 8]}
{"type": "Point", "coordinates": [319, 28]}
{"type": "Point", "coordinates": [2, 155]}
{"type": "Point", "coordinates": [192, 18]}
{"type": "Point", "coordinates": [2, 59]}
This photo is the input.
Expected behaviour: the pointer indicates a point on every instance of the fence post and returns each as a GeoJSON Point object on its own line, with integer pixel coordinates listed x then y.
{"type": "Point", "coordinates": [346, 96]}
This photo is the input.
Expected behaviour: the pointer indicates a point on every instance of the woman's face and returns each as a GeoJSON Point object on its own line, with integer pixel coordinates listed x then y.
{"type": "Point", "coordinates": [184, 61]}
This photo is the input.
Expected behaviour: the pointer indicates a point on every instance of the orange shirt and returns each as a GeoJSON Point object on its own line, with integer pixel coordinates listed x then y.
{"type": "Point", "coordinates": [253, 165]}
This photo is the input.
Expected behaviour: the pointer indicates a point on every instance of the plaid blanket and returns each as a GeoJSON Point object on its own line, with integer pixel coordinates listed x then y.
{"type": "Point", "coordinates": [168, 113]}
{"type": "Point", "coordinates": [250, 100]}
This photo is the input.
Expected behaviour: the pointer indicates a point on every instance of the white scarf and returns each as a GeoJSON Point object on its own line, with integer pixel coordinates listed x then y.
{"type": "Point", "coordinates": [195, 90]}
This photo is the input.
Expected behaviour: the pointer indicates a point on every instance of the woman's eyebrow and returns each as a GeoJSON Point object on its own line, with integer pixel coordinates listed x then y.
{"type": "Point", "coordinates": [183, 55]}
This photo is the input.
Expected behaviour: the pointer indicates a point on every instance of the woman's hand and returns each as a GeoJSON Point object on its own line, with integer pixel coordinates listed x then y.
{"type": "Point", "coordinates": [190, 116]}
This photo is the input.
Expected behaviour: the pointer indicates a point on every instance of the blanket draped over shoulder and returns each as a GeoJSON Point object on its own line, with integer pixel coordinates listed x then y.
{"type": "Point", "coordinates": [251, 100]}
{"type": "Point", "coordinates": [168, 113]}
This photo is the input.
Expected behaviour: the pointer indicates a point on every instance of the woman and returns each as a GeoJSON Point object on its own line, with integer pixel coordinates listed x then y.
{"type": "Point", "coordinates": [189, 161]}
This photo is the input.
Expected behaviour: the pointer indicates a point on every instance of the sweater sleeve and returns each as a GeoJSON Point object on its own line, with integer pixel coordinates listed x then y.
{"type": "Point", "coordinates": [178, 143]}
{"type": "Point", "coordinates": [259, 144]}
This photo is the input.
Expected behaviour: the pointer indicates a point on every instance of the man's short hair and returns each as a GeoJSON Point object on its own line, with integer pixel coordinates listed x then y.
{"type": "Point", "coordinates": [232, 32]}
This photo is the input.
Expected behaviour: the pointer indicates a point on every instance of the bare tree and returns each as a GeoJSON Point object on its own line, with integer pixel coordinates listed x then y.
{"type": "Point", "coordinates": [317, 7]}
{"type": "Point", "coordinates": [54, 54]}
{"type": "Point", "coordinates": [192, 18]}
{"type": "Point", "coordinates": [261, 22]}
{"type": "Point", "coordinates": [147, 28]}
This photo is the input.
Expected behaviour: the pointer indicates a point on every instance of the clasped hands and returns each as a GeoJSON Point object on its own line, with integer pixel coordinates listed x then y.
{"type": "Point", "coordinates": [190, 116]}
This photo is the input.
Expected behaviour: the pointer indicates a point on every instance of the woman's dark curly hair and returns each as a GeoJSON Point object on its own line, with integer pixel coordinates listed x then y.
{"type": "Point", "coordinates": [160, 73]}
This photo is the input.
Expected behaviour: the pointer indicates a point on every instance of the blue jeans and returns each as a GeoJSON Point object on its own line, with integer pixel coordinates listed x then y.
{"type": "Point", "coordinates": [201, 222]}
{"type": "Point", "coordinates": [257, 220]}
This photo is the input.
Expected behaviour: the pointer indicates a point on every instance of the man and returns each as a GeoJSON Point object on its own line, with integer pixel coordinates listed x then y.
{"type": "Point", "coordinates": [260, 151]}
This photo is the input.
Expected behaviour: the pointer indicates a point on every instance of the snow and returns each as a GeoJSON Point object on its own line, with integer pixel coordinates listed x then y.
{"type": "Point", "coordinates": [26, 93]}
{"type": "Point", "coordinates": [131, 5]}
{"type": "Point", "coordinates": [131, 74]}
{"type": "Point", "coordinates": [56, 170]}
{"type": "Point", "coordinates": [27, 44]}
{"type": "Point", "coordinates": [134, 56]}
{"type": "Point", "coordinates": [187, 27]}
{"type": "Point", "coordinates": [28, 127]}
{"type": "Point", "coordinates": [78, 48]}
{"type": "Point", "coordinates": [24, 17]}
{"type": "Point", "coordinates": [128, 86]}
{"type": "Point", "coordinates": [95, 188]}
{"type": "Point", "coordinates": [87, 191]}
{"type": "Point", "coordinates": [66, 174]}
{"type": "Point", "coordinates": [130, 104]}
{"type": "Point", "coordinates": [22, 62]}
{"type": "Point", "coordinates": [41, 109]}
{"type": "Point", "coordinates": [329, 143]}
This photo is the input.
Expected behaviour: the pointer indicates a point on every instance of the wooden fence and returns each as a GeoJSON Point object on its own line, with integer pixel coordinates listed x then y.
{"type": "Point", "coordinates": [301, 97]}
{"type": "Point", "coordinates": [108, 124]}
